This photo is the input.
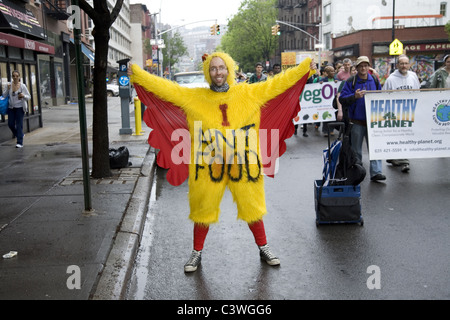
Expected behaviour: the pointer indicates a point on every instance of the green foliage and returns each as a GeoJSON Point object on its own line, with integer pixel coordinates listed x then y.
{"type": "Point", "coordinates": [248, 39]}
{"type": "Point", "coordinates": [174, 49]}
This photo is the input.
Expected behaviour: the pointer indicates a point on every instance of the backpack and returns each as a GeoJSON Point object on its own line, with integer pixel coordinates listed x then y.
{"type": "Point", "coordinates": [352, 79]}
{"type": "Point", "coordinates": [349, 170]}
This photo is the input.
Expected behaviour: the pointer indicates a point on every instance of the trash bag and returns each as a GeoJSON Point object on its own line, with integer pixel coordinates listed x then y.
{"type": "Point", "coordinates": [118, 158]}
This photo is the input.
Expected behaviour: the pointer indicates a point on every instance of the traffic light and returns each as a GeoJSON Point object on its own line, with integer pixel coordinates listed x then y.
{"type": "Point", "coordinates": [217, 29]}
{"type": "Point", "coordinates": [274, 30]}
{"type": "Point", "coordinates": [213, 30]}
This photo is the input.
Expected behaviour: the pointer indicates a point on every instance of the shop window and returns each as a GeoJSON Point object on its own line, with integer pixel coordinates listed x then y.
{"type": "Point", "coordinates": [28, 84]}
{"type": "Point", "coordinates": [28, 55]}
{"type": "Point", "coordinates": [34, 87]}
{"type": "Point", "coordinates": [20, 69]}
{"type": "Point", "coordinates": [59, 80]}
{"type": "Point", "coordinates": [14, 53]}
{"type": "Point", "coordinates": [44, 75]}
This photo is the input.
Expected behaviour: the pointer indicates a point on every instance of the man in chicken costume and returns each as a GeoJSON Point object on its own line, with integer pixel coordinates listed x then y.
{"type": "Point", "coordinates": [212, 135]}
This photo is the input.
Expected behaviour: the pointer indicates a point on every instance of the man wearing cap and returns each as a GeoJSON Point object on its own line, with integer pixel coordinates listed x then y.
{"type": "Point", "coordinates": [352, 96]}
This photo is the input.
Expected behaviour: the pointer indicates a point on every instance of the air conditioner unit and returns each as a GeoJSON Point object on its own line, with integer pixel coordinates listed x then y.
{"type": "Point", "coordinates": [88, 32]}
{"type": "Point", "coordinates": [37, 3]}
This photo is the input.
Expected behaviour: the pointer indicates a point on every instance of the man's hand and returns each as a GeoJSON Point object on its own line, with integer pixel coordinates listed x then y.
{"type": "Point", "coordinates": [313, 65]}
{"type": "Point", "coordinates": [129, 71]}
{"type": "Point", "coordinates": [359, 93]}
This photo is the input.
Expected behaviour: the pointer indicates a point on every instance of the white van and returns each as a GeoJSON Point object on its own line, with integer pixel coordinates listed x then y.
{"type": "Point", "coordinates": [194, 79]}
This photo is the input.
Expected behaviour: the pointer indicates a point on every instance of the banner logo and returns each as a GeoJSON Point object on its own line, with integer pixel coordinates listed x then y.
{"type": "Point", "coordinates": [441, 113]}
{"type": "Point", "coordinates": [395, 113]}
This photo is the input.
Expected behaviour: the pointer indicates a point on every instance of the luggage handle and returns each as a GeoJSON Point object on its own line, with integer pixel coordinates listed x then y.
{"type": "Point", "coordinates": [341, 126]}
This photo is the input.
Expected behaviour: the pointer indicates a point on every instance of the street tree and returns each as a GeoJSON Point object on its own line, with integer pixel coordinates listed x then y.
{"type": "Point", "coordinates": [103, 18]}
{"type": "Point", "coordinates": [174, 50]}
{"type": "Point", "coordinates": [249, 39]}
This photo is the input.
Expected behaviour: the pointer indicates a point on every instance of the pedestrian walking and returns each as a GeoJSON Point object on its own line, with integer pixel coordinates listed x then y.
{"type": "Point", "coordinates": [343, 75]}
{"type": "Point", "coordinates": [276, 69]}
{"type": "Point", "coordinates": [328, 76]}
{"type": "Point", "coordinates": [223, 108]}
{"type": "Point", "coordinates": [258, 75]}
{"type": "Point", "coordinates": [352, 96]}
{"type": "Point", "coordinates": [402, 79]}
{"type": "Point", "coordinates": [441, 78]}
{"type": "Point", "coordinates": [18, 96]}
{"type": "Point", "coordinates": [342, 111]}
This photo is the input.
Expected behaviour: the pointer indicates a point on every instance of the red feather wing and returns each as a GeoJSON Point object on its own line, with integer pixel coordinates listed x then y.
{"type": "Point", "coordinates": [276, 119]}
{"type": "Point", "coordinates": [169, 126]}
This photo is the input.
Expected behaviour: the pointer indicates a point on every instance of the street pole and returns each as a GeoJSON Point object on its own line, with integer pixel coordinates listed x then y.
{"type": "Point", "coordinates": [307, 33]}
{"type": "Point", "coordinates": [393, 21]}
{"type": "Point", "coordinates": [82, 117]}
{"type": "Point", "coordinates": [393, 33]}
{"type": "Point", "coordinates": [321, 45]}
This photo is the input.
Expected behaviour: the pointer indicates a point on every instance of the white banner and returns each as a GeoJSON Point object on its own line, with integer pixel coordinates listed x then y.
{"type": "Point", "coordinates": [408, 124]}
{"type": "Point", "coordinates": [316, 102]}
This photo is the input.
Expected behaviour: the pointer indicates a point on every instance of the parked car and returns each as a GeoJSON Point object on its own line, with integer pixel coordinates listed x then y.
{"type": "Point", "coordinates": [194, 79]}
{"type": "Point", "coordinates": [112, 90]}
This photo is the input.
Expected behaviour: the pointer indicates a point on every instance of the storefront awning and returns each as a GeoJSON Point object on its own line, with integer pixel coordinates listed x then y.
{"type": "Point", "coordinates": [87, 52]}
{"type": "Point", "coordinates": [15, 17]}
{"type": "Point", "coordinates": [18, 42]}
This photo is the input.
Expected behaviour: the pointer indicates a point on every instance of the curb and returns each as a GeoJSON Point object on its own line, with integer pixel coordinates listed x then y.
{"type": "Point", "coordinates": [113, 280]}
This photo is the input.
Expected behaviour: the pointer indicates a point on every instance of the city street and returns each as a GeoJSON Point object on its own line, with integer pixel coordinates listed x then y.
{"type": "Point", "coordinates": [404, 239]}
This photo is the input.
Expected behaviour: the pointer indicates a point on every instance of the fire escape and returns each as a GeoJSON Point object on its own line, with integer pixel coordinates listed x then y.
{"type": "Point", "coordinates": [57, 9]}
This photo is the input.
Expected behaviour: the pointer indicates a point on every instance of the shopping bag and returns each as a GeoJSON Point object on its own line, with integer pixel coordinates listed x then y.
{"type": "Point", "coordinates": [4, 104]}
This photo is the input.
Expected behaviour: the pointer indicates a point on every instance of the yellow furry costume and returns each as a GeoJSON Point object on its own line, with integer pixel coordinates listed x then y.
{"type": "Point", "coordinates": [214, 119]}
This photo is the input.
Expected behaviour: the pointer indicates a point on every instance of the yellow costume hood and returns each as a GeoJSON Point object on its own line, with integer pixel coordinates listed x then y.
{"type": "Point", "coordinates": [229, 62]}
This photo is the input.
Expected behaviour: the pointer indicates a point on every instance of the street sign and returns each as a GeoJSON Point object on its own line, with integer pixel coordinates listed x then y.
{"type": "Point", "coordinates": [155, 54]}
{"type": "Point", "coordinates": [396, 48]}
{"type": "Point", "coordinates": [124, 80]}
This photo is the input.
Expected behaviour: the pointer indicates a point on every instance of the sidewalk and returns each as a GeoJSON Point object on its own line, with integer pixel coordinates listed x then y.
{"type": "Point", "coordinates": [64, 252]}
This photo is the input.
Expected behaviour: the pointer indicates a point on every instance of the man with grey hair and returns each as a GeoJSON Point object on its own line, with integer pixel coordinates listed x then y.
{"type": "Point", "coordinates": [343, 75]}
{"type": "Point", "coordinates": [402, 79]}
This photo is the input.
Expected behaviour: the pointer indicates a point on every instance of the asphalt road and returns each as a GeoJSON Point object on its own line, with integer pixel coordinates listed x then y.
{"type": "Point", "coordinates": [401, 252]}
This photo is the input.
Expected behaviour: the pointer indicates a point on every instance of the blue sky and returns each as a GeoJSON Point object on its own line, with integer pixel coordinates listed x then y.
{"type": "Point", "coordinates": [179, 12]}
